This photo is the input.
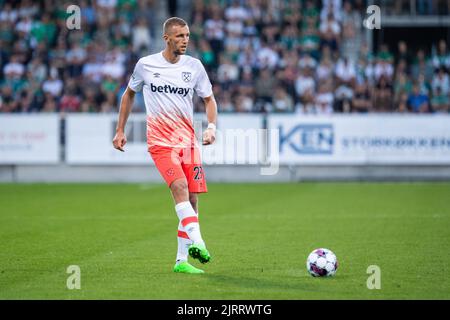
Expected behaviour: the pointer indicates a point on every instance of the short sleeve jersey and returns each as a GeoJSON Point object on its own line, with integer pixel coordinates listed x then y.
{"type": "Point", "coordinates": [168, 89]}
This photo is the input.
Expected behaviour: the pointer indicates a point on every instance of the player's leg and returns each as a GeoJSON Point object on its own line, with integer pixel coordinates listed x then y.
{"type": "Point", "coordinates": [184, 242]}
{"type": "Point", "coordinates": [193, 199]}
{"type": "Point", "coordinates": [185, 212]}
{"type": "Point", "coordinates": [170, 169]}
{"type": "Point", "coordinates": [189, 222]}
{"type": "Point", "coordinates": [193, 170]}
{"type": "Point", "coordinates": [182, 237]}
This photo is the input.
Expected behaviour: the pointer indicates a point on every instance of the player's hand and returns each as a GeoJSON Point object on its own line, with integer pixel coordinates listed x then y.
{"type": "Point", "coordinates": [119, 141]}
{"type": "Point", "coordinates": [209, 136]}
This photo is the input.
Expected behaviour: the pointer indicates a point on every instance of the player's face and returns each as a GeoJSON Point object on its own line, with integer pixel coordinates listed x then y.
{"type": "Point", "coordinates": [178, 39]}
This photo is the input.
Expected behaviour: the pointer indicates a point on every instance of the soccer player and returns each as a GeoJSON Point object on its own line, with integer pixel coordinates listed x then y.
{"type": "Point", "coordinates": [168, 80]}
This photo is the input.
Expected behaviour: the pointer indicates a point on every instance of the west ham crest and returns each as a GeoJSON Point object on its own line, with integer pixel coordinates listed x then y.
{"type": "Point", "coordinates": [186, 76]}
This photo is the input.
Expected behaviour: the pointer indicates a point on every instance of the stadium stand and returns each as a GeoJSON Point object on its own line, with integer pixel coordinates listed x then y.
{"type": "Point", "coordinates": [307, 57]}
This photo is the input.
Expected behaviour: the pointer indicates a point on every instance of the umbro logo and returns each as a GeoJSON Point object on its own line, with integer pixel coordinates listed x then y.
{"type": "Point", "coordinates": [156, 75]}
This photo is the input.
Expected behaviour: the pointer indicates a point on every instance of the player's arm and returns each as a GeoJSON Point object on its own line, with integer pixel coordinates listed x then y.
{"type": "Point", "coordinates": [209, 136]}
{"type": "Point", "coordinates": [126, 104]}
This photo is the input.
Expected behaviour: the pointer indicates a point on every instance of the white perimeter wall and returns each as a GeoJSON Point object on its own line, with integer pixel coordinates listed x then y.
{"type": "Point", "coordinates": [295, 147]}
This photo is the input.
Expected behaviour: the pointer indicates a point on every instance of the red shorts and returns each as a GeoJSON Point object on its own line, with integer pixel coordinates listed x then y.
{"type": "Point", "coordinates": [178, 163]}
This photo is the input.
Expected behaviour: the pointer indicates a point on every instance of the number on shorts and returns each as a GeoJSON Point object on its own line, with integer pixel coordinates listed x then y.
{"type": "Point", "coordinates": [198, 172]}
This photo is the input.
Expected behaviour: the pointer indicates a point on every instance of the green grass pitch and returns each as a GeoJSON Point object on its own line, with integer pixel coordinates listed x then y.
{"type": "Point", "coordinates": [123, 238]}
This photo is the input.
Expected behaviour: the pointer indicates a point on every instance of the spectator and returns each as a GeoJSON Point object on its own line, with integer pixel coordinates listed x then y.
{"type": "Point", "coordinates": [267, 57]}
{"type": "Point", "coordinates": [324, 70]}
{"type": "Point", "coordinates": [324, 99]}
{"type": "Point", "coordinates": [305, 86]}
{"type": "Point", "coordinates": [402, 85]}
{"type": "Point", "coordinates": [37, 69]}
{"type": "Point", "coordinates": [244, 103]}
{"type": "Point", "coordinates": [112, 67]}
{"type": "Point", "coordinates": [49, 104]}
{"type": "Point", "coordinates": [227, 71]}
{"type": "Point", "coordinates": [385, 55]}
{"type": "Point", "coordinates": [383, 68]}
{"type": "Point", "coordinates": [333, 8]}
{"type": "Point", "coordinates": [43, 31]}
{"type": "Point", "coordinates": [141, 36]}
{"type": "Point", "coordinates": [330, 31]}
{"type": "Point", "coordinates": [207, 55]}
{"type": "Point", "coordinates": [441, 59]}
{"type": "Point", "coordinates": [75, 59]}
{"type": "Point", "coordinates": [291, 13]}
{"type": "Point", "coordinates": [346, 78]}
{"type": "Point", "coordinates": [8, 14]}
{"type": "Point", "coordinates": [282, 102]}
{"type": "Point", "coordinates": [441, 81]}
{"type": "Point", "coordinates": [345, 72]}
{"type": "Point", "coordinates": [307, 61]}
{"type": "Point", "coordinates": [264, 86]}
{"type": "Point", "coordinates": [9, 103]}
{"type": "Point", "coordinates": [247, 58]}
{"type": "Point", "coordinates": [196, 29]}
{"type": "Point", "coordinates": [361, 101]}
{"type": "Point", "coordinates": [90, 101]}
{"type": "Point", "coordinates": [88, 14]}
{"type": "Point", "coordinates": [109, 105]}
{"type": "Point", "coordinates": [418, 102]}
{"type": "Point", "coordinates": [70, 102]}
{"type": "Point", "coordinates": [92, 69]}
{"type": "Point", "coordinates": [23, 27]}
{"type": "Point", "coordinates": [310, 40]}
{"type": "Point", "coordinates": [351, 32]}
{"type": "Point", "coordinates": [440, 101]}
{"type": "Point", "coordinates": [215, 31]}
{"type": "Point", "coordinates": [53, 84]}
{"type": "Point", "coordinates": [424, 86]}
{"type": "Point", "coordinates": [290, 37]}
{"type": "Point", "coordinates": [382, 96]}
{"type": "Point", "coordinates": [107, 8]}
{"type": "Point", "coordinates": [247, 83]}
{"type": "Point", "coordinates": [236, 11]}
{"type": "Point", "coordinates": [403, 53]}
{"type": "Point", "coordinates": [420, 65]}
{"type": "Point", "coordinates": [224, 103]}
{"type": "Point", "coordinates": [14, 69]}
{"type": "Point", "coordinates": [403, 104]}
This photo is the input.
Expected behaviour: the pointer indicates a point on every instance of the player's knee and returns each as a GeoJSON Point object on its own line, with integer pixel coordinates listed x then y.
{"type": "Point", "coordinates": [179, 187]}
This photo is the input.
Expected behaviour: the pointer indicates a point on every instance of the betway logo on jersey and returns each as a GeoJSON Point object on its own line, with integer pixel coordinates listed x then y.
{"type": "Point", "coordinates": [169, 89]}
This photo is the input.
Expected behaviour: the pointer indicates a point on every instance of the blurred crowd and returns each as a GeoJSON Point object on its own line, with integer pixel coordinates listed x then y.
{"type": "Point", "coordinates": [261, 56]}
{"type": "Point", "coordinates": [295, 56]}
{"type": "Point", "coordinates": [47, 67]}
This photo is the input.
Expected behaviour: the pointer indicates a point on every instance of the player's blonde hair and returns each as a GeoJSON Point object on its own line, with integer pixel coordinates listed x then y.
{"type": "Point", "coordinates": [174, 21]}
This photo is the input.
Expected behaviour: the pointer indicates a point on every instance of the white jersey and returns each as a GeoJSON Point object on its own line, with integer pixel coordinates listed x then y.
{"type": "Point", "coordinates": [168, 89]}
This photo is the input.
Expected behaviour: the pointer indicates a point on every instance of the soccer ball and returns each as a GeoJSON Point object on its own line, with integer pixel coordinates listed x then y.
{"type": "Point", "coordinates": [322, 263]}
